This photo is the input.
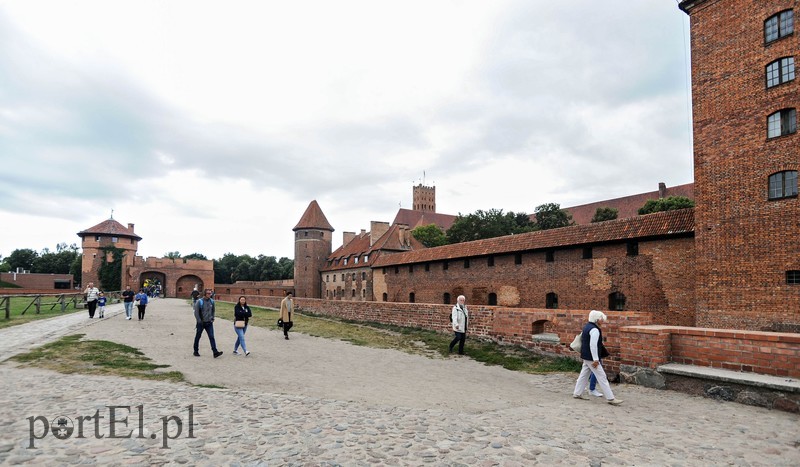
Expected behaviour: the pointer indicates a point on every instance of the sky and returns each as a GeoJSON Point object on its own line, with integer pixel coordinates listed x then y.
{"type": "Point", "coordinates": [211, 125]}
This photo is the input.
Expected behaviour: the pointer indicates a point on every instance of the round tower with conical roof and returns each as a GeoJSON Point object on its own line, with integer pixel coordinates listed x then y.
{"type": "Point", "coordinates": [107, 233]}
{"type": "Point", "coordinates": [312, 247]}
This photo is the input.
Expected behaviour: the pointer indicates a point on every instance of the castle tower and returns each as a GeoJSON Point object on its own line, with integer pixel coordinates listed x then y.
{"type": "Point", "coordinates": [105, 234]}
{"type": "Point", "coordinates": [312, 246]}
{"type": "Point", "coordinates": [745, 99]}
{"type": "Point", "coordinates": [424, 198]}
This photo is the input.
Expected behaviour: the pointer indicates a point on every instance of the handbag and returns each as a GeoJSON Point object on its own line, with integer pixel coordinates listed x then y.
{"type": "Point", "coordinates": [576, 343]}
{"type": "Point", "coordinates": [280, 323]}
{"type": "Point", "coordinates": [136, 302]}
{"type": "Point", "coordinates": [238, 324]}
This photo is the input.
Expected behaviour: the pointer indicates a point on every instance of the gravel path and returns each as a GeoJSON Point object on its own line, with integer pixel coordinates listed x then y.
{"type": "Point", "coordinates": [312, 401]}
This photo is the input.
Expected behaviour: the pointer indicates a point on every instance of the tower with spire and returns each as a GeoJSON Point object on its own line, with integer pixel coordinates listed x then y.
{"type": "Point", "coordinates": [312, 245]}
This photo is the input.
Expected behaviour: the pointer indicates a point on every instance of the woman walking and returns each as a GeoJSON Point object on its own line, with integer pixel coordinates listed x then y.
{"type": "Point", "coordinates": [141, 303]}
{"type": "Point", "coordinates": [241, 319]}
{"type": "Point", "coordinates": [592, 351]}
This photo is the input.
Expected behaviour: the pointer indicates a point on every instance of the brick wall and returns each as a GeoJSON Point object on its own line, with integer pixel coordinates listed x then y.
{"type": "Point", "coordinates": [36, 281]}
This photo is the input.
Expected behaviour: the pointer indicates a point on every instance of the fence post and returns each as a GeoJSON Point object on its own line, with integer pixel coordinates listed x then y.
{"type": "Point", "coordinates": [38, 304]}
{"type": "Point", "coordinates": [62, 302]}
{"type": "Point", "coordinates": [7, 302]}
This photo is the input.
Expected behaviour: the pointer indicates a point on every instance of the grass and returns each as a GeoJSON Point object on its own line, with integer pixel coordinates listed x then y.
{"type": "Point", "coordinates": [410, 340]}
{"type": "Point", "coordinates": [18, 305]}
{"type": "Point", "coordinates": [71, 355]}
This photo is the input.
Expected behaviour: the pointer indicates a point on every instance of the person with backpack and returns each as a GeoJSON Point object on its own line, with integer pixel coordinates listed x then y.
{"type": "Point", "coordinates": [204, 314]}
{"type": "Point", "coordinates": [459, 318]}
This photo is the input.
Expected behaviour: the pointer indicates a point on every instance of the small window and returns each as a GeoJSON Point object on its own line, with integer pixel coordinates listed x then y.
{"type": "Point", "coordinates": [364, 293]}
{"type": "Point", "coordinates": [549, 256]}
{"type": "Point", "coordinates": [466, 264]}
{"type": "Point", "coordinates": [793, 277]}
{"type": "Point", "coordinates": [305, 234]}
{"type": "Point", "coordinates": [114, 239]}
{"type": "Point", "coordinates": [779, 25]}
{"type": "Point", "coordinates": [492, 299]}
{"type": "Point", "coordinates": [411, 269]}
{"type": "Point", "coordinates": [397, 269]}
{"type": "Point", "coordinates": [427, 267]}
{"type": "Point", "coordinates": [446, 298]}
{"type": "Point", "coordinates": [363, 276]}
{"type": "Point", "coordinates": [782, 122]}
{"type": "Point", "coordinates": [783, 184]}
{"type": "Point", "coordinates": [518, 258]}
{"type": "Point", "coordinates": [551, 301]}
{"type": "Point", "coordinates": [345, 262]}
{"type": "Point", "coordinates": [334, 278]}
{"type": "Point", "coordinates": [445, 265]}
{"type": "Point", "coordinates": [633, 248]}
{"type": "Point", "coordinates": [780, 71]}
{"type": "Point", "coordinates": [385, 297]}
{"type": "Point", "coordinates": [342, 277]}
{"type": "Point", "coordinates": [587, 252]}
{"type": "Point", "coordinates": [366, 258]}
{"type": "Point", "coordinates": [354, 276]}
{"type": "Point", "coordinates": [354, 293]}
{"type": "Point", "coordinates": [327, 277]}
{"type": "Point", "coordinates": [411, 297]}
{"type": "Point", "coordinates": [490, 261]}
{"type": "Point", "coordinates": [616, 301]}
{"type": "Point", "coordinates": [97, 238]}
{"type": "Point", "coordinates": [385, 269]}
{"type": "Point", "coordinates": [355, 260]}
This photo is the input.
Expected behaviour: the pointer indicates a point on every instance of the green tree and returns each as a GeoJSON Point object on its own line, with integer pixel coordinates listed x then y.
{"type": "Point", "coordinates": [287, 268]}
{"type": "Point", "coordinates": [223, 268]}
{"type": "Point", "coordinates": [666, 204]}
{"type": "Point", "coordinates": [195, 256]}
{"type": "Point", "coordinates": [430, 235]}
{"type": "Point", "coordinates": [76, 269]}
{"type": "Point", "coordinates": [605, 214]}
{"type": "Point", "coordinates": [22, 258]}
{"type": "Point", "coordinates": [172, 254]}
{"type": "Point", "coordinates": [110, 273]}
{"type": "Point", "coordinates": [487, 224]}
{"type": "Point", "coordinates": [4, 266]}
{"type": "Point", "coordinates": [551, 216]}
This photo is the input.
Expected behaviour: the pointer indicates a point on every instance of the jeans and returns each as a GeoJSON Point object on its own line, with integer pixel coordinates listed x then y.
{"type": "Point", "coordinates": [128, 309]}
{"type": "Point", "coordinates": [240, 339]}
{"type": "Point", "coordinates": [459, 338]}
{"type": "Point", "coordinates": [209, 329]}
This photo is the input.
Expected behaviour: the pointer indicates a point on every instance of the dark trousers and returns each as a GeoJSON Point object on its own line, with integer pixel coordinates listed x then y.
{"type": "Point", "coordinates": [209, 329]}
{"type": "Point", "coordinates": [92, 304]}
{"type": "Point", "coordinates": [286, 326]}
{"type": "Point", "coordinates": [460, 338]}
{"type": "Point", "coordinates": [141, 310]}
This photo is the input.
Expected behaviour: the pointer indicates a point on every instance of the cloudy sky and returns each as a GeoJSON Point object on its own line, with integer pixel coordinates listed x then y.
{"type": "Point", "coordinates": [211, 125]}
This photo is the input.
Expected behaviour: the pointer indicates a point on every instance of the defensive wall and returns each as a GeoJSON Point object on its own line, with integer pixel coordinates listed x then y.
{"type": "Point", "coordinates": [251, 289]}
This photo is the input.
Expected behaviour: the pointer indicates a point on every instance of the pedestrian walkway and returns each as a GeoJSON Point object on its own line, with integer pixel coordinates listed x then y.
{"type": "Point", "coordinates": [312, 401]}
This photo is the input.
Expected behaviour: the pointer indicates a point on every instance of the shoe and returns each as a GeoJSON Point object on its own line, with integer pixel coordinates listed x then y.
{"type": "Point", "coordinates": [196, 354]}
{"type": "Point", "coordinates": [615, 401]}
{"type": "Point", "coordinates": [246, 354]}
{"type": "Point", "coordinates": [217, 354]}
{"type": "Point", "coordinates": [286, 337]}
{"type": "Point", "coordinates": [596, 393]}
{"type": "Point", "coordinates": [128, 317]}
{"type": "Point", "coordinates": [235, 352]}
{"type": "Point", "coordinates": [581, 397]}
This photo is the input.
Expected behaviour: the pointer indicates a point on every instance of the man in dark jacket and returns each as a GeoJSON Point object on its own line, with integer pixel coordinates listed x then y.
{"type": "Point", "coordinates": [204, 314]}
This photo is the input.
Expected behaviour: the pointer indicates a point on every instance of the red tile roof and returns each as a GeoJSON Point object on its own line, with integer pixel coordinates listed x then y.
{"type": "Point", "coordinates": [628, 206]}
{"type": "Point", "coordinates": [415, 219]}
{"type": "Point", "coordinates": [110, 227]}
{"type": "Point", "coordinates": [359, 246]}
{"type": "Point", "coordinates": [670, 223]}
{"type": "Point", "coordinates": [313, 218]}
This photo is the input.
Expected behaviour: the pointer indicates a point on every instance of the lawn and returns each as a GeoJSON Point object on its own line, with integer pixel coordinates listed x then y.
{"type": "Point", "coordinates": [48, 309]}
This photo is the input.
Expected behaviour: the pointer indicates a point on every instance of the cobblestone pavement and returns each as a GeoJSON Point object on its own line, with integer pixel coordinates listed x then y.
{"type": "Point", "coordinates": [249, 425]}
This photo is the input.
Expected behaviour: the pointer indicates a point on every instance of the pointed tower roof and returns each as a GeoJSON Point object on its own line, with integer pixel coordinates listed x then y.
{"type": "Point", "coordinates": [313, 218]}
{"type": "Point", "coordinates": [110, 227]}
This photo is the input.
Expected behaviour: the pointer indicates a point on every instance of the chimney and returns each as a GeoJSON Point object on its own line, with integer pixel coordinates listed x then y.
{"type": "Point", "coordinates": [347, 237]}
{"type": "Point", "coordinates": [403, 233]}
{"type": "Point", "coordinates": [376, 231]}
{"type": "Point", "coordinates": [662, 190]}
{"type": "Point", "coordinates": [363, 232]}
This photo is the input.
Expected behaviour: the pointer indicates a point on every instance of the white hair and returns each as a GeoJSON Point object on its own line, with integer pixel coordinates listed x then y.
{"type": "Point", "coordinates": [461, 297]}
{"type": "Point", "coordinates": [595, 316]}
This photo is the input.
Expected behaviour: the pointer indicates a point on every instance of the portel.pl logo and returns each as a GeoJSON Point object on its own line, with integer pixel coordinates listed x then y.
{"type": "Point", "coordinates": [63, 427]}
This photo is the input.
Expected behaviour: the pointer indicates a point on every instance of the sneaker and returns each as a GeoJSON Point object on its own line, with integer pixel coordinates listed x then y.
{"type": "Point", "coordinates": [128, 317]}
{"type": "Point", "coordinates": [581, 397]}
{"type": "Point", "coordinates": [217, 354]}
{"type": "Point", "coordinates": [196, 354]}
{"type": "Point", "coordinates": [235, 352]}
{"type": "Point", "coordinates": [615, 401]}
{"type": "Point", "coordinates": [246, 354]}
{"type": "Point", "coordinates": [596, 393]}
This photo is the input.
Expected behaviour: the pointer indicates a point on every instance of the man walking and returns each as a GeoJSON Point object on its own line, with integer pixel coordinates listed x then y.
{"type": "Point", "coordinates": [287, 308]}
{"type": "Point", "coordinates": [91, 298]}
{"type": "Point", "coordinates": [460, 319]}
{"type": "Point", "coordinates": [204, 314]}
{"type": "Point", "coordinates": [127, 300]}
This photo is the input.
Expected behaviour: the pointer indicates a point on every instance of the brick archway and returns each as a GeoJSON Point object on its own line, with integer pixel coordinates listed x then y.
{"type": "Point", "coordinates": [185, 285]}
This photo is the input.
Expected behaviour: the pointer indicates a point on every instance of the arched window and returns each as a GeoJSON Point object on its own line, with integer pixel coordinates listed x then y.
{"type": "Point", "coordinates": [385, 297]}
{"type": "Point", "coordinates": [551, 301]}
{"type": "Point", "coordinates": [616, 301]}
{"type": "Point", "coordinates": [411, 297]}
{"type": "Point", "coordinates": [778, 25]}
{"type": "Point", "coordinates": [780, 71]}
{"type": "Point", "coordinates": [492, 298]}
{"type": "Point", "coordinates": [783, 184]}
{"type": "Point", "coordinates": [782, 122]}
{"type": "Point", "coordinates": [446, 298]}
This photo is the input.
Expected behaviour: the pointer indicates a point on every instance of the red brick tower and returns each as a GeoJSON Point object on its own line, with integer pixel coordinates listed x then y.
{"type": "Point", "coordinates": [106, 233]}
{"type": "Point", "coordinates": [746, 158]}
{"type": "Point", "coordinates": [424, 198]}
{"type": "Point", "coordinates": [312, 246]}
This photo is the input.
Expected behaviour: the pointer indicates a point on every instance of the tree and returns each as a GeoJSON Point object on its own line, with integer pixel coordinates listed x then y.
{"type": "Point", "coordinates": [4, 266]}
{"type": "Point", "coordinates": [22, 258]}
{"type": "Point", "coordinates": [172, 254]}
{"type": "Point", "coordinates": [54, 263]}
{"type": "Point", "coordinates": [487, 224]}
{"type": "Point", "coordinates": [287, 268]}
{"type": "Point", "coordinates": [605, 214]}
{"type": "Point", "coordinates": [551, 216]}
{"type": "Point", "coordinates": [430, 235]}
{"type": "Point", "coordinates": [110, 273]}
{"type": "Point", "coordinates": [76, 269]}
{"type": "Point", "coordinates": [666, 204]}
{"type": "Point", "coordinates": [195, 256]}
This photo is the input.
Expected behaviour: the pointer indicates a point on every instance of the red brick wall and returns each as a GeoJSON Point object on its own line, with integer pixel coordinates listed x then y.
{"type": "Point", "coordinates": [35, 281]}
{"type": "Point", "coordinates": [745, 243]}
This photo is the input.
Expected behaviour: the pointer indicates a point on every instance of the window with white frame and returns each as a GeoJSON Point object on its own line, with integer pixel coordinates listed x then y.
{"type": "Point", "coordinates": [782, 122]}
{"type": "Point", "coordinates": [780, 71]}
{"type": "Point", "coordinates": [778, 26]}
{"type": "Point", "coordinates": [783, 184]}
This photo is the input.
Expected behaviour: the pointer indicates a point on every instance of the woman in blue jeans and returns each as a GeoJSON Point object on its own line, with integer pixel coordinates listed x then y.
{"type": "Point", "coordinates": [241, 312]}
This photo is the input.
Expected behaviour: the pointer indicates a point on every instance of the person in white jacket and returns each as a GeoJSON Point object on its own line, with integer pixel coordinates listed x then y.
{"type": "Point", "coordinates": [460, 320]}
